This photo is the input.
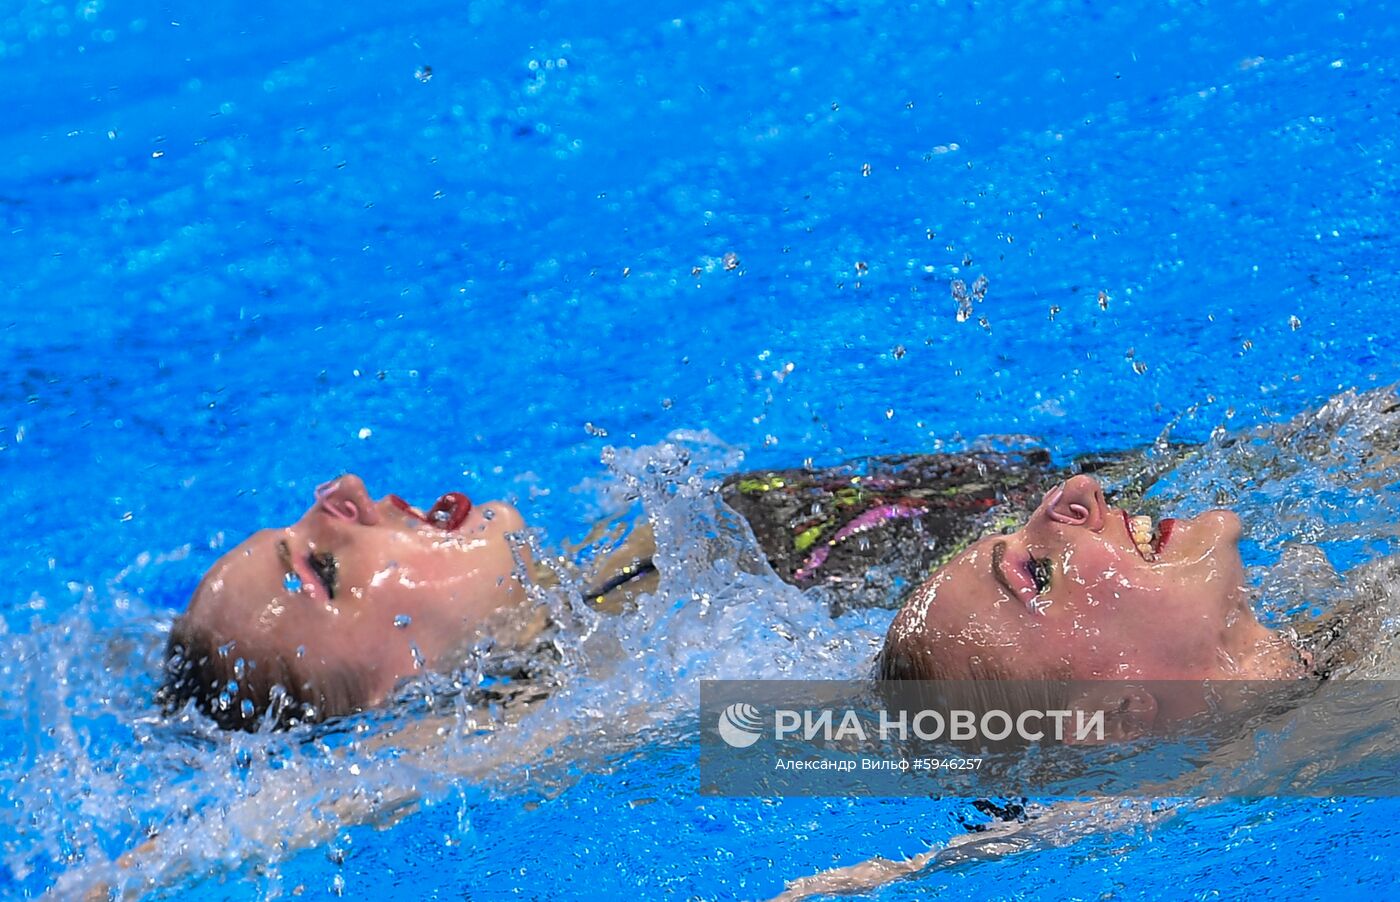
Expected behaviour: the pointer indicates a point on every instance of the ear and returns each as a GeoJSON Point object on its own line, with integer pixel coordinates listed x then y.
{"type": "Point", "coordinates": [1128, 711]}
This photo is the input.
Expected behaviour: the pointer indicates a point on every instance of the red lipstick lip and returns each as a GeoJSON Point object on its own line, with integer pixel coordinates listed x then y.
{"type": "Point", "coordinates": [449, 513]}
{"type": "Point", "coordinates": [1164, 531]}
{"type": "Point", "coordinates": [404, 506]}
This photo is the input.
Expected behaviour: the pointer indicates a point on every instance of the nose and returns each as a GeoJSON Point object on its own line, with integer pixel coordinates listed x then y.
{"type": "Point", "coordinates": [1079, 502]}
{"type": "Point", "coordinates": [345, 498]}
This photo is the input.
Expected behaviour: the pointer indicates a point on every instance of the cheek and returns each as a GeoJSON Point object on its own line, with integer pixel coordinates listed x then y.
{"type": "Point", "coordinates": [421, 581]}
{"type": "Point", "coordinates": [1101, 572]}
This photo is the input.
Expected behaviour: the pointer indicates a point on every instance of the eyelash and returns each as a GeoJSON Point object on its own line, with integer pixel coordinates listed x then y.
{"type": "Point", "coordinates": [1040, 570]}
{"type": "Point", "coordinates": [325, 565]}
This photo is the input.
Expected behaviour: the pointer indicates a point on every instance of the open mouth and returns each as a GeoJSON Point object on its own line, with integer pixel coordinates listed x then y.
{"type": "Point", "coordinates": [449, 513]}
{"type": "Point", "coordinates": [1149, 540]}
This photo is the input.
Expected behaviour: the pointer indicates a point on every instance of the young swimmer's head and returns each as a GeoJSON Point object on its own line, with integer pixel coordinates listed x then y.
{"type": "Point", "coordinates": [1081, 592]}
{"type": "Point", "coordinates": [326, 616]}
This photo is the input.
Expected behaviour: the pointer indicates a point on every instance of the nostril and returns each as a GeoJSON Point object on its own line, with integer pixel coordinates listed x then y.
{"type": "Point", "coordinates": [340, 498]}
{"type": "Point", "coordinates": [1079, 502]}
{"type": "Point", "coordinates": [1062, 512]}
{"type": "Point", "coordinates": [341, 509]}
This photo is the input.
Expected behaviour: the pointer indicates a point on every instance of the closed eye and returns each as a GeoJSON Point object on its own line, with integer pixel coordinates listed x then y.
{"type": "Point", "coordinates": [1040, 571]}
{"type": "Point", "coordinates": [1024, 577]}
{"type": "Point", "coordinates": [326, 568]}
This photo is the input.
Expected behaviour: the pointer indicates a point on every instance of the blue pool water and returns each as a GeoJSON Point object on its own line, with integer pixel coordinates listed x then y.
{"type": "Point", "coordinates": [482, 244]}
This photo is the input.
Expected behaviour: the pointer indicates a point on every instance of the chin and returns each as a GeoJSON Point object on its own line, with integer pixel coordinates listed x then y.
{"type": "Point", "coordinates": [1227, 524]}
{"type": "Point", "coordinates": [1218, 532]}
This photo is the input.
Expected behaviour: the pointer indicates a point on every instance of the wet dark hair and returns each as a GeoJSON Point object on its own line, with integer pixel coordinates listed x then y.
{"type": "Point", "coordinates": [238, 686]}
{"type": "Point", "coordinates": [895, 663]}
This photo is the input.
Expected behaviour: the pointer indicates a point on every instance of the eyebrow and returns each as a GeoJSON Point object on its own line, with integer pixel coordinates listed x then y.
{"type": "Point", "coordinates": [999, 556]}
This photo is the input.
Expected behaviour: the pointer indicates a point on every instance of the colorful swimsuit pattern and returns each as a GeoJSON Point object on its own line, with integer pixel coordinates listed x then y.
{"type": "Point", "coordinates": [869, 531]}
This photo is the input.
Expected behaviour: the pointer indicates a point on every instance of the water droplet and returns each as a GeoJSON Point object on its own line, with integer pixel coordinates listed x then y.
{"type": "Point", "coordinates": [488, 513]}
{"type": "Point", "coordinates": [966, 296]}
{"type": "Point", "coordinates": [365, 432]}
{"type": "Point", "coordinates": [1054, 309]}
{"type": "Point", "coordinates": [898, 352]}
{"type": "Point", "coordinates": [225, 649]}
{"type": "Point", "coordinates": [862, 267]}
{"type": "Point", "coordinates": [240, 667]}
{"type": "Point", "coordinates": [402, 620]}
{"type": "Point", "coordinates": [1139, 367]}
{"type": "Point", "coordinates": [418, 660]}
{"type": "Point", "coordinates": [301, 651]}
{"type": "Point", "coordinates": [889, 413]}
{"type": "Point", "coordinates": [958, 288]}
{"type": "Point", "coordinates": [1294, 323]}
{"type": "Point", "coordinates": [1103, 300]}
{"type": "Point", "coordinates": [731, 261]}
{"type": "Point", "coordinates": [246, 708]}
{"type": "Point", "coordinates": [291, 582]}
{"type": "Point", "coordinates": [597, 431]}
{"type": "Point", "coordinates": [424, 74]}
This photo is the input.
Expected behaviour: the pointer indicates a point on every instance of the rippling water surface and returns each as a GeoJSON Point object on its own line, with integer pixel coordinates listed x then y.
{"type": "Point", "coordinates": [575, 254]}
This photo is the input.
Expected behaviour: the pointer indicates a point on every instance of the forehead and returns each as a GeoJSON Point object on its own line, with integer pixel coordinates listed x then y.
{"type": "Point", "coordinates": [965, 584]}
{"type": "Point", "coordinates": [978, 554]}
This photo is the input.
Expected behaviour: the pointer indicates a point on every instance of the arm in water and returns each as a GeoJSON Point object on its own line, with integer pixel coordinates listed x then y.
{"type": "Point", "coordinates": [1048, 827]}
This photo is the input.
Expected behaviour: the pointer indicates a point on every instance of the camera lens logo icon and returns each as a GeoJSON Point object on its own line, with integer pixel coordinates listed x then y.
{"type": "Point", "coordinates": [740, 725]}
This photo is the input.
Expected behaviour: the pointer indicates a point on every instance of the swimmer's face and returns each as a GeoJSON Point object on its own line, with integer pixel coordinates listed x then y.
{"type": "Point", "coordinates": [1071, 595]}
{"type": "Point", "coordinates": [370, 586]}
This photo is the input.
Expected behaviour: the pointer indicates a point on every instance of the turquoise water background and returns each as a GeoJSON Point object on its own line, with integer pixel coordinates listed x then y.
{"type": "Point", "coordinates": [243, 249]}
